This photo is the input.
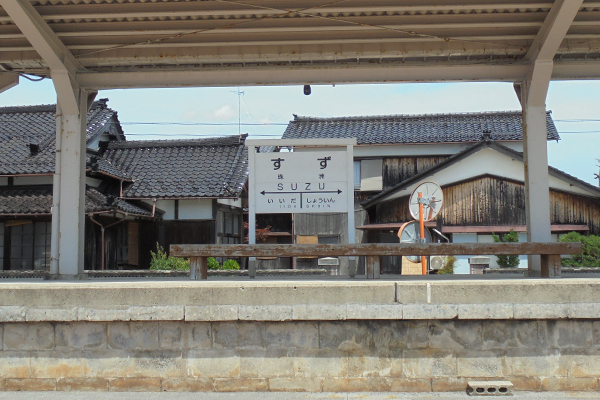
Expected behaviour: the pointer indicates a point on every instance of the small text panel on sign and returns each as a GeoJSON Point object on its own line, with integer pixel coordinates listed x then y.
{"type": "Point", "coordinates": [310, 182]}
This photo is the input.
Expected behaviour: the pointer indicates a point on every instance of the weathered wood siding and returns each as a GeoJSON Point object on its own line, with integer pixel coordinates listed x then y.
{"type": "Point", "coordinates": [93, 246]}
{"type": "Point", "coordinates": [568, 209]}
{"type": "Point", "coordinates": [167, 233]}
{"type": "Point", "coordinates": [398, 169]}
{"type": "Point", "coordinates": [321, 225]}
{"type": "Point", "coordinates": [493, 201]}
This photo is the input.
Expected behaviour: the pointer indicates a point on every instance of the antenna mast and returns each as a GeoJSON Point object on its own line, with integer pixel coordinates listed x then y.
{"type": "Point", "coordinates": [239, 94]}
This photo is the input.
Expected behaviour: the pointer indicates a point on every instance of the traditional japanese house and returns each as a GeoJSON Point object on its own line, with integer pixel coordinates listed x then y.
{"type": "Point", "coordinates": [471, 152]}
{"type": "Point", "coordinates": [197, 183]}
{"type": "Point", "coordinates": [138, 194]}
{"type": "Point", "coordinates": [27, 156]}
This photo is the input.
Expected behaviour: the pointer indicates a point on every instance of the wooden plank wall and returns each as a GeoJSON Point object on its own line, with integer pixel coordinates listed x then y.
{"type": "Point", "coordinates": [321, 224]}
{"type": "Point", "coordinates": [398, 169]}
{"type": "Point", "coordinates": [492, 201]}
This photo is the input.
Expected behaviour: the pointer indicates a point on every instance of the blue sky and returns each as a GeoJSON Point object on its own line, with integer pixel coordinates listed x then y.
{"type": "Point", "coordinates": [575, 154]}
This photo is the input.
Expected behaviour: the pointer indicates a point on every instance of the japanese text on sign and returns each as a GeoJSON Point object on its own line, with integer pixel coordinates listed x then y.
{"type": "Point", "coordinates": [301, 182]}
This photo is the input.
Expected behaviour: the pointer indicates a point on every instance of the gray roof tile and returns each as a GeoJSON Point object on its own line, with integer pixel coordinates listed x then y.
{"type": "Point", "coordinates": [414, 129]}
{"type": "Point", "coordinates": [20, 126]}
{"type": "Point", "coordinates": [38, 201]}
{"type": "Point", "coordinates": [211, 167]}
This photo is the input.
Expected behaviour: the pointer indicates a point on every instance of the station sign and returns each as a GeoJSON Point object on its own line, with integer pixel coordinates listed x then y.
{"type": "Point", "coordinates": [301, 182]}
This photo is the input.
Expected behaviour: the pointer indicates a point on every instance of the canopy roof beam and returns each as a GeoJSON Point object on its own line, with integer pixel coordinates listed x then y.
{"type": "Point", "coordinates": [8, 80]}
{"type": "Point", "coordinates": [63, 65]}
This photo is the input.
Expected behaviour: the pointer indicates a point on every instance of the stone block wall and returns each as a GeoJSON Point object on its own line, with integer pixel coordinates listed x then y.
{"type": "Point", "coordinates": [315, 356]}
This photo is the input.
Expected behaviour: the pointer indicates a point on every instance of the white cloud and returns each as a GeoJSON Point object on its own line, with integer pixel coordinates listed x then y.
{"type": "Point", "coordinates": [223, 113]}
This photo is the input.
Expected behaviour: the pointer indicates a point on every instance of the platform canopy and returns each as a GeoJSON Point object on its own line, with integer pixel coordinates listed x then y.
{"type": "Point", "coordinates": [149, 43]}
{"type": "Point", "coordinates": [87, 45]}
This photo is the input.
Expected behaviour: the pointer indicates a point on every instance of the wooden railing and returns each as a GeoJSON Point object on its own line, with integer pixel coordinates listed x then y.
{"type": "Point", "coordinates": [198, 253]}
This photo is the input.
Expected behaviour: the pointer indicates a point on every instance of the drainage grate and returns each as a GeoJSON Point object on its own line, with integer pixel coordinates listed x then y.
{"type": "Point", "coordinates": [490, 388]}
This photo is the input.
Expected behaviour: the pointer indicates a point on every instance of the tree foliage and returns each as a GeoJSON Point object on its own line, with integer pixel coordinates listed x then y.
{"type": "Point", "coordinates": [590, 255]}
{"type": "Point", "coordinates": [160, 261]}
{"type": "Point", "coordinates": [228, 264]}
{"type": "Point", "coordinates": [449, 265]}
{"type": "Point", "coordinates": [261, 233]}
{"type": "Point", "coordinates": [507, 261]}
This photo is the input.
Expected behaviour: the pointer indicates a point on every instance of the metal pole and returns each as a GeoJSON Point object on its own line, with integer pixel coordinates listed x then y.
{"type": "Point", "coordinates": [251, 209]}
{"type": "Point", "coordinates": [352, 261]}
{"type": "Point", "coordinates": [422, 228]}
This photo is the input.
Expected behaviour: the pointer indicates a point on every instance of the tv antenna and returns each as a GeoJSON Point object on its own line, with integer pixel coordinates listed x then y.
{"type": "Point", "coordinates": [239, 95]}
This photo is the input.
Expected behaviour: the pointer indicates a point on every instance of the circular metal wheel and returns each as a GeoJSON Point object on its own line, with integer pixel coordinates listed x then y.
{"type": "Point", "coordinates": [410, 232]}
{"type": "Point", "coordinates": [433, 198]}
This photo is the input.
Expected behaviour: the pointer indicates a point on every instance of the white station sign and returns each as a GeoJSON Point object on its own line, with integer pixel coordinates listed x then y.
{"type": "Point", "coordinates": [301, 182]}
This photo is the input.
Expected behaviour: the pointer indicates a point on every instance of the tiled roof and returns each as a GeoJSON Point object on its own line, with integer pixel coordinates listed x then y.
{"type": "Point", "coordinates": [97, 202]}
{"type": "Point", "coordinates": [212, 167]}
{"type": "Point", "coordinates": [414, 129]}
{"type": "Point", "coordinates": [21, 126]}
{"type": "Point", "coordinates": [15, 200]}
{"type": "Point", "coordinates": [99, 165]}
{"type": "Point", "coordinates": [30, 201]}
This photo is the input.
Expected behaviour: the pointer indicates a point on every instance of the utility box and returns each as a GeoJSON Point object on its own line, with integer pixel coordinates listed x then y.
{"type": "Point", "coordinates": [478, 264]}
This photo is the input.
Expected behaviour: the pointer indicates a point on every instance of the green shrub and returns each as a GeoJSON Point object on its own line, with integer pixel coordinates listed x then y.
{"type": "Point", "coordinates": [213, 263]}
{"type": "Point", "coordinates": [590, 246]}
{"type": "Point", "coordinates": [449, 265]}
{"type": "Point", "coordinates": [160, 261]}
{"type": "Point", "coordinates": [507, 261]}
{"type": "Point", "coordinates": [230, 264]}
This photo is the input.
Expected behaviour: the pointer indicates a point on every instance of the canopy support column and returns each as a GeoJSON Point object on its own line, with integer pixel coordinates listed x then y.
{"type": "Point", "coordinates": [535, 137]}
{"type": "Point", "coordinates": [68, 210]}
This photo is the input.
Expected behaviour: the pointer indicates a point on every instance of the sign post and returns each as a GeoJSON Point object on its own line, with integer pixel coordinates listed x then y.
{"type": "Point", "coordinates": [316, 177]}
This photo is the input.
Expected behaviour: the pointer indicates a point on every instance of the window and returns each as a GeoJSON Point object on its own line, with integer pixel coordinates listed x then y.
{"type": "Point", "coordinates": [122, 243]}
{"type": "Point", "coordinates": [27, 245]}
{"type": "Point", "coordinates": [357, 175]}
{"type": "Point", "coordinates": [328, 239]}
{"type": "Point", "coordinates": [228, 227]}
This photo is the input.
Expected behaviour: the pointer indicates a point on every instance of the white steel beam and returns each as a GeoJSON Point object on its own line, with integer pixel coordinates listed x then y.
{"type": "Point", "coordinates": [336, 74]}
{"type": "Point", "coordinates": [533, 92]}
{"type": "Point", "coordinates": [535, 138]}
{"type": "Point", "coordinates": [8, 81]}
{"type": "Point", "coordinates": [63, 65]}
{"type": "Point", "coordinates": [68, 211]}
{"type": "Point", "coordinates": [553, 30]}
{"type": "Point", "coordinates": [68, 207]}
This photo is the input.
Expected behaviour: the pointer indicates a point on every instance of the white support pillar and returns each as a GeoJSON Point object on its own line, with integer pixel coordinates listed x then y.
{"type": "Point", "coordinates": [535, 141]}
{"type": "Point", "coordinates": [532, 94]}
{"type": "Point", "coordinates": [68, 213]}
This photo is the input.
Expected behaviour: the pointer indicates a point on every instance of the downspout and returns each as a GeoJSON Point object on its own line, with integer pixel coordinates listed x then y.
{"type": "Point", "coordinates": [102, 228]}
{"type": "Point", "coordinates": [55, 228]}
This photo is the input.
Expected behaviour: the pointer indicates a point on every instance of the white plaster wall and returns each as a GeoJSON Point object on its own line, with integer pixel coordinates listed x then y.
{"type": "Point", "coordinates": [93, 182]}
{"type": "Point", "coordinates": [230, 202]}
{"type": "Point", "coordinates": [168, 206]}
{"type": "Point", "coordinates": [195, 209]}
{"type": "Point", "coordinates": [371, 174]}
{"type": "Point", "coordinates": [32, 180]}
{"type": "Point", "coordinates": [3, 180]}
{"type": "Point", "coordinates": [463, 261]}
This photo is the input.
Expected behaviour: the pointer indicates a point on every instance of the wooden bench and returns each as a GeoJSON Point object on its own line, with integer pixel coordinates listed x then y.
{"type": "Point", "coordinates": [198, 253]}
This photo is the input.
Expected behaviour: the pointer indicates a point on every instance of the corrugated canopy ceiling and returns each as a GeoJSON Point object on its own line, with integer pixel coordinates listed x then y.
{"type": "Point", "coordinates": [303, 41]}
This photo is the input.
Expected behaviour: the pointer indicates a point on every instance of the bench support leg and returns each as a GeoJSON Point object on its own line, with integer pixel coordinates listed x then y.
{"type": "Point", "coordinates": [551, 266]}
{"type": "Point", "coordinates": [198, 268]}
{"type": "Point", "coordinates": [373, 267]}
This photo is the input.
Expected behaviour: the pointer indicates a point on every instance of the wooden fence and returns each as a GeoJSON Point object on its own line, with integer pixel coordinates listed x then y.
{"type": "Point", "coordinates": [198, 253]}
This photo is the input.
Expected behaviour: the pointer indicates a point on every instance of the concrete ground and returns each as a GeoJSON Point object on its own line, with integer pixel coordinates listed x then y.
{"type": "Point", "coordinates": [282, 396]}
